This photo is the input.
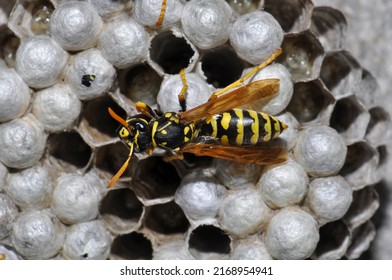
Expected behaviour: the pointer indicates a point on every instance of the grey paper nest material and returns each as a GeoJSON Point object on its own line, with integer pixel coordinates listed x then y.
{"type": "Point", "coordinates": [63, 65]}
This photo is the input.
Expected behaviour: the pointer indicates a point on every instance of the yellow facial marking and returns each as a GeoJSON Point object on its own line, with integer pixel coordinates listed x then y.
{"type": "Point", "coordinates": [124, 133]}
{"type": "Point", "coordinates": [225, 121]}
{"type": "Point", "coordinates": [164, 132]}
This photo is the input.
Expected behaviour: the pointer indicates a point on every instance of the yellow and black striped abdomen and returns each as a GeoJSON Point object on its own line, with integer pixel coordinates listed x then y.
{"type": "Point", "coordinates": [242, 127]}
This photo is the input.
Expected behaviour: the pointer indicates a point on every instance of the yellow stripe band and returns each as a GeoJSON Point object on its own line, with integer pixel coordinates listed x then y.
{"type": "Point", "coordinates": [255, 127]}
{"type": "Point", "coordinates": [267, 127]}
{"type": "Point", "coordinates": [225, 121]}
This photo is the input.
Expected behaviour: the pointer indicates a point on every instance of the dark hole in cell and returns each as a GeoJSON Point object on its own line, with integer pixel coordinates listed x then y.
{"type": "Point", "coordinates": [170, 52]}
{"type": "Point", "coordinates": [111, 157]}
{"type": "Point", "coordinates": [285, 12]}
{"type": "Point", "coordinates": [336, 67]}
{"type": "Point", "coordinates": [333, 236]}
{"type": "Point", "coordinates": [132, 246]}
{"type": "Point", "coordinates": [122, 203]}
{"type": "Point", "coordinates": [209, 239]}
{"type": "Point", "coordinates": [377, 115]}
{"type": "Point", "coordinates": [85, 256]}
{"type": "Point", "coordinates": [96, 113]}
{"type": "Point", "coordinates": [70, 148]}
{"type": "Point", "coordinates": [222, 67]}
{"type": "Point", "coordinates": [140, 83]}
{"type": "Point", "coordinates": [308, 101]}
{"type": "Point", "coordinates": [344, 114]}
{"type": "Point", "coordinates": [87, 80]}
{"type": "Point", "coordinates": [155, 178]}
{"type": "Point", "coordinates": [9, 44]}
{"type": "Point", "coordinates": [166, 218]}
{"type": "Point", "coordinates": [357, 155]}
{"type": "Point", "coordinates": [383, 153]}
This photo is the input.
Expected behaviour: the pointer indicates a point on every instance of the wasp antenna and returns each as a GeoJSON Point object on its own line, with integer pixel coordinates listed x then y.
{"type": "Point", "coordinates": [122, 169]}
{"type": "Point", "coordinates": [118, 118]}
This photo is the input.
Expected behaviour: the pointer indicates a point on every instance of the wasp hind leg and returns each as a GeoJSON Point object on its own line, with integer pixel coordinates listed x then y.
{"type": "Point", "coordinates": [181, 95]}
{"type": "Point", "coordinates": [240, 81]}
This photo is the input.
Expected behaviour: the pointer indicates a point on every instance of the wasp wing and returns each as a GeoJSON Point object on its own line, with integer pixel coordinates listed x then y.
{"type": "Point", "coordinates": [261, 155]}
{"type": "Point", "coordinates": [233, 99]}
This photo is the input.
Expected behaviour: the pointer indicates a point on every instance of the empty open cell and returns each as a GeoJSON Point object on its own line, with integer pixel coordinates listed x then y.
{"type": "Point", "coordinates": [335, 238]}
{"type": "Point", "coordinates": [365, 204]}
{"type": "Point", "coordinates": [132, 246]}
{"type": "Point", "coordinates": [362, 237]}
{"type": "Point", "coordinates": [341, 73]}
{"type": "Point", "coordinates": [9, 45]}
{"type": "Point", "coordinates": [293, 16]}
{"type": "Point", "coordinates": [244, 7]}
{"type": "Point", "coordinates": [121, 211]}
{"type": "Point", "coordinates": [31, 18]}
{"type": "Point", "coordinates": [140, 83]}
{"type": "Point", "coordinates": [171, 53]}
{"type": "Point", "coordinates": [360, 166]}
{"type": "Point", "coordinates": [311, 102]}
{"type": "Point", "coordinates": [302, 55]}
{"type": "Point", "coordinates": [97, 127]}
{"type": "Point", "coordinates": [350, 118]}
{"type": "Point", "coordinates": [221, 67]}
{"type": "Point", "coordinates": [155, 178]}
{"type": "Point", "coordinates": [209, 241]}
{"type": "Point", "coordinates": [167, 218]}
{"type": "Point", "coordinates": [69, 148]}
{"type": "Point", "coordinates": [110, 158]}
{"type": "Point", "coordinates": [330, 26]}
{"type": "Point", "coordinates": [376, 132]}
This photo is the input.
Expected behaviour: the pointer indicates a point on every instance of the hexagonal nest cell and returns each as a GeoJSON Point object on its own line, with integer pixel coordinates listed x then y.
{"type": "Point", "coordinates": [160, 207]}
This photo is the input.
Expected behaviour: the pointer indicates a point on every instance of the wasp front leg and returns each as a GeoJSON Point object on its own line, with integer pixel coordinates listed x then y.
{"type": "Point", "coordinates": [146, 110]}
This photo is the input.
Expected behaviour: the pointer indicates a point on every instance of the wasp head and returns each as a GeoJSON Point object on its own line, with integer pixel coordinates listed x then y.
{"type": "Point", "coordinates": [136, 133]}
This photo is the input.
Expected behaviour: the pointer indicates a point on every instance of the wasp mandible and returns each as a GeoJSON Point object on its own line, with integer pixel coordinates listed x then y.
{"type": "Point", "coordinates": [215, 128]}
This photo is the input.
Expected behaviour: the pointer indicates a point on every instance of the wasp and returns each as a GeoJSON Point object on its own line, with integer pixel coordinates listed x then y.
{"type": "Point", "coordinates": [215, 128]}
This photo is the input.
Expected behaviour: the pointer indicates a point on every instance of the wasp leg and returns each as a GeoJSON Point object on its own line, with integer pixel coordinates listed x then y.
{"type": "Point", "coordinates": [146, 110]}
{"type": "Point", "coordinates": [247, 76]}
{"type": "Point", "coordinates": [181, 95]}
{"type": "Point", "coordinates": [162, 14]}
{"type": "Point", "coordinates": [122, 169]}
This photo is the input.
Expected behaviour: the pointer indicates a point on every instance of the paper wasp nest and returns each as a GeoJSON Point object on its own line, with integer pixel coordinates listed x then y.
{"type": "Point", "coordinates": [63, 63]}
